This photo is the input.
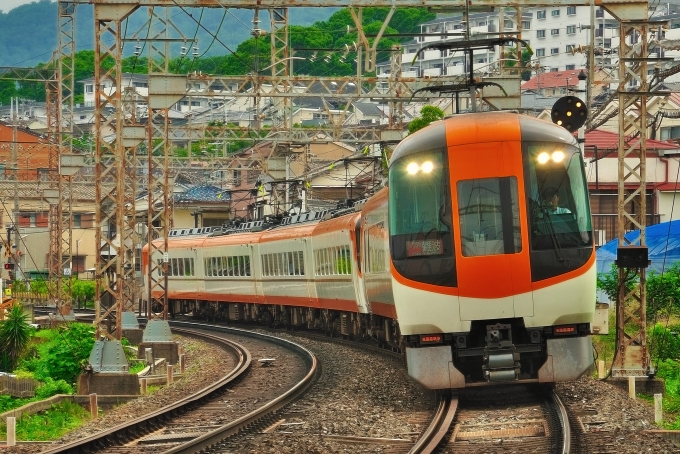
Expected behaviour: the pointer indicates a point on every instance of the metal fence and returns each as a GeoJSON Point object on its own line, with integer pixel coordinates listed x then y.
{"type": "Point", "coordinates": [17, 387]}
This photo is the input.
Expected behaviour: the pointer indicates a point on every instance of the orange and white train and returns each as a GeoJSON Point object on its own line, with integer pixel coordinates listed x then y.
{"type": "Point", "coordinates": [463, 262]}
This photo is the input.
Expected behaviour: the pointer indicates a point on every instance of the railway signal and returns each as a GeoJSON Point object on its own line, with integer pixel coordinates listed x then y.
{"type": "Point", "coordinates": [569, 112]}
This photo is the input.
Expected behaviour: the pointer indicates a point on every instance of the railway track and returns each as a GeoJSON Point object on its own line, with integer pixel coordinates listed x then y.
{"type": "Point", "coordinates": [509, 419]}
{"type": "Point", "coordinates": [448, 430]}
{"type": "Point", "coordinates": [168, 429]}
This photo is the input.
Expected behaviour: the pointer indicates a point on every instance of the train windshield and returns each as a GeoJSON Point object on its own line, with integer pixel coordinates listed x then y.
{"type": "Point", "coordinates": [557, 201]}
{"type": "Point", "coordinates": [421, 238]}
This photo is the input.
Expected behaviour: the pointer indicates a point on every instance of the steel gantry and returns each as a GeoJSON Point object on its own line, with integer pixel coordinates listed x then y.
{"type": "Point", "coordinates": [117, 160]}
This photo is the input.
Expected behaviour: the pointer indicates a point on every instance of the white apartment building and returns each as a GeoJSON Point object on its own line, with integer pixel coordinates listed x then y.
{"type": "Point", "coordinates": [553, 32]}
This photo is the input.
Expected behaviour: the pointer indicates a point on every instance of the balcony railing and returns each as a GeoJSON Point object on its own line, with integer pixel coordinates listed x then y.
{"type": "Point", "coordinates": [605, 226]}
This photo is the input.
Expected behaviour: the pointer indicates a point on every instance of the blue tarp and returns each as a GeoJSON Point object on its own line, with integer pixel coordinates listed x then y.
{"type": "Point", "coordinates": [663, 241]}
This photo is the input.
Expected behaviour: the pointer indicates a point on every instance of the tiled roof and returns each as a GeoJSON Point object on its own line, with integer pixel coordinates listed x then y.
{"type": "Point", "coordinates": [606, 140]}
{"type": "Point", "coordinates": [555, 79]}
{"type": "Point", "coordinates": [205, 193]}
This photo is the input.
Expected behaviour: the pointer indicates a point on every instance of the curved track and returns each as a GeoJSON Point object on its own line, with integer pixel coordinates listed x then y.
{"type": "Point", "coordinates": [140, 427]}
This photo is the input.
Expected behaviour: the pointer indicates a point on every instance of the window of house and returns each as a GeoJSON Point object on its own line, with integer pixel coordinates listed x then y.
{"type": "Point", "coordinates": [569, 67]}
{"type": "Point", "coordinates": [540, 33]}
{"type": "Point", "coordinates": [555, 13]}
{"type": "Point", "coordinates": [77, 221]}
{"type": "Point", "coordinates": [670, 132]}
{"type": "Point", "coordinates": [481, 23]}
{"type": "Point", "coordinates": [89, 88]}
{"type": "Point", "coordinates": [607, 42]}
{"type": "Point", "coordinates": [443, 53]}
{"type": "Point", "coordinates": [570, 47]}
{"type": "Point", "coordinates": [31, 218]}
{"type": "Point", "coordinates": [540, 52]}
{"type": "Point", "coordinates": [526, 25]}
{"type": "Point", "coordinates": [554, 50]}
{"type": "Point", "coordinates": [195, 103]}
{"type": "Point", "coordinates": [508, 24]}
{"type": "Point", "coordinates": [571, 29]}
{"type": "Point", "coordinates": [555, 31]}
{"type": "Point", "coordinates": [571, 10]}
{"type": "Point", "coordinates": [540, 14]}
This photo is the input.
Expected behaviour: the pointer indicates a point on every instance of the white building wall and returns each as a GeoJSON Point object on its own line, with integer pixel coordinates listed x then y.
{"type": "Point", "coordinates": [551, 31]}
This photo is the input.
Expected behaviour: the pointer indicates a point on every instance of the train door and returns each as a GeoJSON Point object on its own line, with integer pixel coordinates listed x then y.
{"type": "Point", "coordinates": [357, 271]}
{"type": "Point", "coordinates": [256, 272]}
{"type": "Point", "coordinates": [309, 270]}
{"type": "Point", "coordinates": [492, 245]}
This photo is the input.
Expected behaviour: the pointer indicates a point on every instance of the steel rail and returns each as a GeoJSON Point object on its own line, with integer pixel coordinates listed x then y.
{"type": "Point", "coordinates": [256, 416]}
{"type": "Point", "coordinates": [439, 426]}
{"type": "Point", "coordinates": [564, 420]}
{"type": "Point", "coordinates": [146, 423]}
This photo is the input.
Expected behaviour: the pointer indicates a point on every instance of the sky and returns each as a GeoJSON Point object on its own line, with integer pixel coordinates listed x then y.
{"type": "Point", "coordinates": [6, 5]}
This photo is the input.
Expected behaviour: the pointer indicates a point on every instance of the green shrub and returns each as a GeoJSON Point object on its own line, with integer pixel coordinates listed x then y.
{"type": "Point", "coordinates": [52, 387]}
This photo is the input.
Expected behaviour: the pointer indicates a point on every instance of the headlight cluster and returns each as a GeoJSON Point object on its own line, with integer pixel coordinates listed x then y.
{"type": "Point", "coordinates": [414, 167]}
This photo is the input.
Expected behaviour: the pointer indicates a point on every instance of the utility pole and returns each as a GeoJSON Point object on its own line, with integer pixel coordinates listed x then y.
{"type": "Point", "coordinates": [14, 162]}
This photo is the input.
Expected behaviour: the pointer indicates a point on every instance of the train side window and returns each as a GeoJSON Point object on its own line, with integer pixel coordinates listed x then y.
{"type": "Point", "coordinates": [489, 216]}
{"type": "Point", "coordinates": [247, 265]}
{"type": "Point", "coordinates": [187, 267]}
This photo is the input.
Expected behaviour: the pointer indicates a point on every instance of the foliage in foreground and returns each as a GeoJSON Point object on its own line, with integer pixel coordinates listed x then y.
{"type": "Point", "coordinates": [62, 355]}
{"type": "Point", "coordinates": [15, 333]}
{"type": "Point", "coordinates": [50, 424]}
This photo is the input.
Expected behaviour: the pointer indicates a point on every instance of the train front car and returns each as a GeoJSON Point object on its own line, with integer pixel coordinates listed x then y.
{"type": "Point", "coordinates": [493, 263]}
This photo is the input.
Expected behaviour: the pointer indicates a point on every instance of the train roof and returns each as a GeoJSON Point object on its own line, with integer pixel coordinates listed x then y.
{"type": "Point", "coordinates": [482, 127]}
{"type": "Point", "coordinates": [267, 230]}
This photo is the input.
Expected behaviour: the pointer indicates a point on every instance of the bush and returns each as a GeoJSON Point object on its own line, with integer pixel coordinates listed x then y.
{"type": "Point", "coordinates": [663, 343]}
{"type": "Point", "coordinates": [61, 358]}
{"type": "Point", "coordinates": [663, 291]}
{"type": "Point", "coordinates": [52, 387]}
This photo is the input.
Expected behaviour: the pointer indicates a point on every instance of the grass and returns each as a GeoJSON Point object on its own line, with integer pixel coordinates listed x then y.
{"type": "Point", "coordinates": [50, 424]}
{"type": "Point", "coordinates": [668, 370]}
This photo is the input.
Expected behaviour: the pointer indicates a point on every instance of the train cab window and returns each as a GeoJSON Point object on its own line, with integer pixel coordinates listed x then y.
{"type": "Point", "coordinates": [421, 233]}
{"type": "Point", "coordinates": [489, 216]}
{"type": "Point", "coordinates": [559, 212]}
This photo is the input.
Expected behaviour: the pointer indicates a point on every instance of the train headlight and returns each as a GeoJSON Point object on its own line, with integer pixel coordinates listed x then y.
{"type": "Point", "coordinates": [543, 158]}
{"type": "Point", "coordinates": [412, 168]}
{"type": "Point", "coordinates": [427, 167]}
{"type": "Point", "coordinates": [558, 156]}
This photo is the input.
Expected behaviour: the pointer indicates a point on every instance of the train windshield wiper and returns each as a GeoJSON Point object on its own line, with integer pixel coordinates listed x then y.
{"type": "Point", "coordinates": [553, 236]}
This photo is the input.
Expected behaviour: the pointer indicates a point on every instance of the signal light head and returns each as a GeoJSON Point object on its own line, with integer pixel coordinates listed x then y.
{"type": "Point", "coordinates": [569, 112]}
{"type": "Point", "coordinates": [9, 266]}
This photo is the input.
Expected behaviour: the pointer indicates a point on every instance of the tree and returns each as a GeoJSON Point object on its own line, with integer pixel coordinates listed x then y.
{"type": "Point", "coordinates": [428, 114]}
{"type": "Point", "coordinates": [511, 61]}
{"type": "Point", "coordinates": [15, 333]}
